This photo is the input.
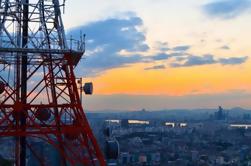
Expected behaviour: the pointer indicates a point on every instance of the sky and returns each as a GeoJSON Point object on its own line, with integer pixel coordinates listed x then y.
{"type": "Point", "coordinates": [164, 54]}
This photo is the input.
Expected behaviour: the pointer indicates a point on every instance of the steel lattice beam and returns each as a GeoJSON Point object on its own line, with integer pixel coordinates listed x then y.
{"type": "Point", "coordinates": [40, 101]}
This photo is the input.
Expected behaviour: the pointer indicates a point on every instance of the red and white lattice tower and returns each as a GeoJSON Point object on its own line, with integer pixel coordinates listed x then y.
{"type": "Point", "coordinates": [39, 99]}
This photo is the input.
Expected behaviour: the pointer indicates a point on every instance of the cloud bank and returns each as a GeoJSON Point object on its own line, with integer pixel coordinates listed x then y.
{"type": "Point", "coordinates": [107, 39]}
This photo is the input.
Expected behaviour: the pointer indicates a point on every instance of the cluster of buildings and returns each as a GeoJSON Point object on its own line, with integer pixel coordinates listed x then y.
{"type": "Point", "coordinates": [206, 143]}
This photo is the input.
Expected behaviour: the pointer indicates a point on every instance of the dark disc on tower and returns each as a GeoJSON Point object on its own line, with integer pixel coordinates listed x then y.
{"type": "Point", "coordinates": [43, 114]}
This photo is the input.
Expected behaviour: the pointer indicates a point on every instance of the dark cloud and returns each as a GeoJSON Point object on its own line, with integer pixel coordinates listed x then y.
{"type": "Point", "coordinates": [106, 38]}
{"type": "Point", "coordinates": [163, 56]}
{"type": "Point", "coordinates": [157, 67]}
{"type": "Point", "coordinates": [159, 56]}
{"type": "Point", "coordinates": [195, 61]}
{"type": "Point", "coordinates": [233, 61]}
{"type": "Point", "coordinates": [209, 59]}
{"type": "Point", "coordinates": [226, 9]}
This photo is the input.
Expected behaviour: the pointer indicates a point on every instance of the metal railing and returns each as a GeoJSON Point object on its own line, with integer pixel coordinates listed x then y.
{"type": "Point", "coordinates": [40, 43]}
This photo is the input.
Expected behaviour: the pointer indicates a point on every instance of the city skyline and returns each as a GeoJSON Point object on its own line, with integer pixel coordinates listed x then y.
{"type": "Point", "coordinates": [174, 54]}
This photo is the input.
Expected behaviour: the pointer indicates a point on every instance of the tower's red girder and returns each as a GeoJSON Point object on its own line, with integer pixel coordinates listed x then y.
{"type": "Point", "coordinates": [51, 86]}
{"type": "Point", "coordinates": [67, 129]}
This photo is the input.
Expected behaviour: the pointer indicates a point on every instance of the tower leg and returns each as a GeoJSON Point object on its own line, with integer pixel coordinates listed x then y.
{"type": "Point", "coordinates": [24, 81]}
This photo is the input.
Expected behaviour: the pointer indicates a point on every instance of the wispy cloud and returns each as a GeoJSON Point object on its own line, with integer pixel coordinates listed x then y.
{"type": "Point", "coordinates": [208, 59]}
{"type": "Point", "coordinates": [195, 61]}
{"type": "Point", "coordinates": [157, 67]}
{"type": "Point", "coordinates": [160, 56]}
{"type": "Point", "coordinates": [233, 61]}
{"type": "Point", "coordinates": [181, 48]}
{"type": "Point", "coordinates": [226, 9]}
